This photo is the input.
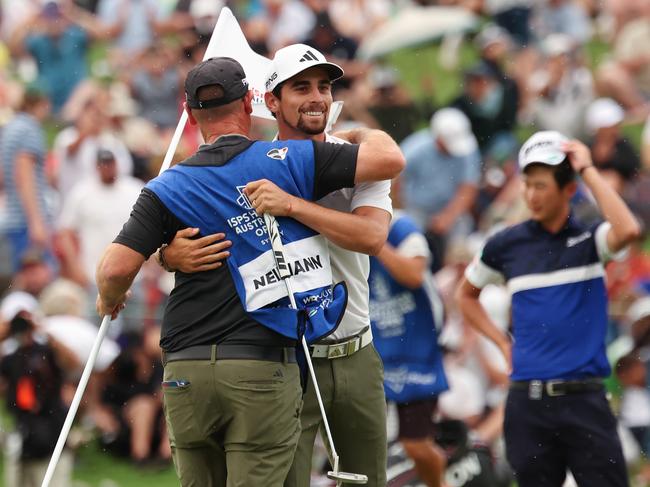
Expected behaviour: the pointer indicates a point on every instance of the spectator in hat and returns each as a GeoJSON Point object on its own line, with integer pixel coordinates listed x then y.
{"type": "Point", "coordinates": [92, 214]}
{"type": "Point", "coordinates": [440, 182]}
{"type": "Point", "coordinates": [491, 107]}
{"type": "Point", "coordinates": [612, 153]}
{"type": "Point", "coordinates": [494, 44]}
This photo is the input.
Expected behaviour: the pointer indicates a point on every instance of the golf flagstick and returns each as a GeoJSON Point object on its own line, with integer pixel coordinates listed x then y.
{"type": "Point", "coordinates": [83, 382]}
{"type": "Point", "coordinates": [273, 231]}
{"type": "Point", "coordinates": [103, 329]}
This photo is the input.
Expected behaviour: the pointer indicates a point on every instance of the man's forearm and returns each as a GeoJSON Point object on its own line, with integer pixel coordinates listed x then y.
{"type": "Point", "coordinates": [624, 224]}
{"type": "Point", "coordinates": [475, 315]}
{"type": "Point", "coordinates": [408, 271]}
{"type": "Point", "coordinates": [355, 232]}
{"type": "Point", "coordinates": [115, 272]}
{"type": "Point", "coordinates": [26, 186]}
{"type": "Point", "coordinates": [462, 202]}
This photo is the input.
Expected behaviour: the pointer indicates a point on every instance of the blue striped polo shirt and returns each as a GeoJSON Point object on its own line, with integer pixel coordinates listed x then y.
{"type": "Point", "coordinates": [22, 134]}
{"type": "Point", "coordinates": [559, 299]}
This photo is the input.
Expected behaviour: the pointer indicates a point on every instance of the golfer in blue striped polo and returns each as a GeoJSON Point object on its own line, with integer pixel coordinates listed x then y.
{"type": "Point", "coordinates": [557, 416]}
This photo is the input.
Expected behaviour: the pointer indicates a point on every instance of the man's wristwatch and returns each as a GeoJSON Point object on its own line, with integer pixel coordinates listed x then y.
{"type": "Point", "coordinates": [160, 257]}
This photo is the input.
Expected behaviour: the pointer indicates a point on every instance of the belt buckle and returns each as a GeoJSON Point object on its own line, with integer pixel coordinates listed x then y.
{"type": "Point", "coordinates": [353, 345]}
{"type": "Point", "coordinates": [337, 350]}
{"type": "Point", "coordinates": [535, 389]}
{"type": "Point", "coordinates": [550, 388]}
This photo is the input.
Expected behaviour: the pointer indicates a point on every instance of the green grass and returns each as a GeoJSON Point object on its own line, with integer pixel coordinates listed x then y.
{"type": "Point", "coordinates": [94, 468]}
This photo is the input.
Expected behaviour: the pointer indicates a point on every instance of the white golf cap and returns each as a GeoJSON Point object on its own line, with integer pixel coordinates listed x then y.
{"type": "Point", "coordinates": [603, 112]}
{"type": "Point", "coordinates": [15, 303]}
{"type": "Point", "coordinates": [294, 59]}
{"type": "Point", "coordinates": [453, 128]}
{"type": "Point", "coordinates": [544, 148]}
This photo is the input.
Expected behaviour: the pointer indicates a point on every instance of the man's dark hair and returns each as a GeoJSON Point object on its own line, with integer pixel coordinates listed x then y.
{"type": "Point", "coordinates": [563, 173]}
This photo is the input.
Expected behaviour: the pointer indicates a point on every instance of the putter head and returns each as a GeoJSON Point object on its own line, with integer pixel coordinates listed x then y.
{"type": "Point", "coordinates": [348, 478]}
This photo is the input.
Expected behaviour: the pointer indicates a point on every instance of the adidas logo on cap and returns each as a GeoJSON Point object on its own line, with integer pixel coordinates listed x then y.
{"type": "Point", "coordinates": [295, 58]}
{"type": "Point", "coordinates": [308, 56]}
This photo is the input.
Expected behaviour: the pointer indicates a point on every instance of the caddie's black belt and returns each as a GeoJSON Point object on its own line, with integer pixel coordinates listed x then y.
{"type": "Point", "coordinates": [237, 352]}
{"type": "Point", "coordinates": [552, 388]}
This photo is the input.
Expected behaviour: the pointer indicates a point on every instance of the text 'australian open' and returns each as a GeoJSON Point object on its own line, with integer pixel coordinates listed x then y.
{"type": "Point", "coordinates": [296, 267]}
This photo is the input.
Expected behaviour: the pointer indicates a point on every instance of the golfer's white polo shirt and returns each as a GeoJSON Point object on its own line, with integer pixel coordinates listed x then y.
{"type": "Point", "coordinates": [354, 267]}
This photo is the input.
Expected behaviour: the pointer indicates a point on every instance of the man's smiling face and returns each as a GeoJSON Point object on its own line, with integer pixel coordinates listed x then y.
{"type": "Point", "coordinates": [304, 103]}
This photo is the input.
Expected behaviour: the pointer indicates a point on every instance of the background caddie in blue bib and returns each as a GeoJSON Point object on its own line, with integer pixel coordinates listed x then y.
{"type": "Point", "coordinates": [557, 417]}
{"type": "Point", "coordinates": [231, 385]}
{"type": "Point", "coordinates": [405, 312]}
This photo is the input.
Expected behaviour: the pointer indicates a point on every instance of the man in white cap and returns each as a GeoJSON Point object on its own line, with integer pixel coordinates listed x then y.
{"type": "Point", "coordinates": [557, 416]}
{"type": "Point", "coordinates": [613, 154]}
{"type": "Point", "coordinates": [440, 182]}
{"type": "Point", "coordinates": [355, 222]}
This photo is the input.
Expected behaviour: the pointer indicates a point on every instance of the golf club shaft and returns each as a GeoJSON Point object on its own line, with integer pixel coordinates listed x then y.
{"type": "Point", "coordinates": [273, 230]}
{"type": "Point", "coordinates": [83, 382]}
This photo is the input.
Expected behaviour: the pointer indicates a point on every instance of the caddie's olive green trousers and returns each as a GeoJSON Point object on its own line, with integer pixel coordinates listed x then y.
{"type": "Point", "coordinates": [352, 389]}
{"type": "Point", "coordinates": [232, 423]}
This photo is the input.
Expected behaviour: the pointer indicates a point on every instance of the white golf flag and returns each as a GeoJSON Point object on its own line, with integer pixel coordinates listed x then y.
{"type": "Point", "coordinates": [229, 41]}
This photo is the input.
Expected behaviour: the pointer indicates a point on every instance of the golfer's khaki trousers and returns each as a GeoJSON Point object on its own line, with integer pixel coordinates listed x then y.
{"type": "Point", "coordinates": [353, 394]}
{"type": "Point", "coordinates": [232, 423]}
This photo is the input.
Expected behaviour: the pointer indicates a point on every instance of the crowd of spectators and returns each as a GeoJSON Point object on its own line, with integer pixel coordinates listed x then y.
{"type": "Point", "coordinates": [90, 94]}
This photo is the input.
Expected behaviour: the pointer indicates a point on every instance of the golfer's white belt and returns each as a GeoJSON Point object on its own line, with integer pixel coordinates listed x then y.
{"type": "Point", "coordinates": [342, 349]}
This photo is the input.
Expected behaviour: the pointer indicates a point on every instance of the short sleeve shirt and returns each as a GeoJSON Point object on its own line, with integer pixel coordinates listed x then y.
{"type": "Point", "coordinates": [559, 300]}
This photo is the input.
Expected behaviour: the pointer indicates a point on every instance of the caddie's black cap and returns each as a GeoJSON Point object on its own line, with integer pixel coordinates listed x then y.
{"type": "Point", "coordinates": [222, 71]}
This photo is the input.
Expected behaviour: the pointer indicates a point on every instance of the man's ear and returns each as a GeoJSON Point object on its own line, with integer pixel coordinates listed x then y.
{"type": "Point", "coordinates": [248, 102]}
{"type": "Point", "coordinates": [272, 102]}
{"type": "Point", "coordinates": [570, 189]}
{"type": "Point", "coordinates": [190, 117]}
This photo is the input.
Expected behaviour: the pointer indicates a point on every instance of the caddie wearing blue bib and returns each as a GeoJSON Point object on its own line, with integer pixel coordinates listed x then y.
{"type": "Point", "coordinates": [405, 313]}
{"type": "Point", "coordinates": [557, 417]}
{"type": "Point", "coordinates": [232, 391]}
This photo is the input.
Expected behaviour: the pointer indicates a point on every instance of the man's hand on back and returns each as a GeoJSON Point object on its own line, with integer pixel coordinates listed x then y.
{"type": "Point", "coordinates": [187, 254]}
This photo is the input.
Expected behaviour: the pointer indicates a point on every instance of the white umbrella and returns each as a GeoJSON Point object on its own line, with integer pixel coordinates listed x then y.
{"type": "Point", "coordinates": [416, 25]}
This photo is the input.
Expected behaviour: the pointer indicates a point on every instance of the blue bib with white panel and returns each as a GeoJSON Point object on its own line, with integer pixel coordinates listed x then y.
{"type": "Point", "coordinates": [404, 331]}
{"type": "Point", "coordinates": [209, 195]}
